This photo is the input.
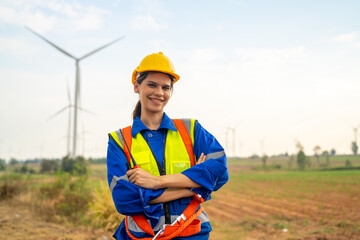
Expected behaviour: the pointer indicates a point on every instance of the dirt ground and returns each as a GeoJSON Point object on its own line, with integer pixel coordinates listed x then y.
{"type": "Point", "coordinates": [250, 215]}
{"type": "Point", "coordinates": [18, 222]}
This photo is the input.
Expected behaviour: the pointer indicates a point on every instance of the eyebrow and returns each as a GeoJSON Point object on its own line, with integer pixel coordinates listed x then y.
{"type": "Point", "coordinates": [149, 81]}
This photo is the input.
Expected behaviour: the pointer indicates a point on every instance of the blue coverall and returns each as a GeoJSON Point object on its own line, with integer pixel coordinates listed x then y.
{"type": "Point", "coordinates": [130, 199]}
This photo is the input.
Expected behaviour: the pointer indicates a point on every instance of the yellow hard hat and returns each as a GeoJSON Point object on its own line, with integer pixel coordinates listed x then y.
{"type": "Point", "coordinates": [156, 62]}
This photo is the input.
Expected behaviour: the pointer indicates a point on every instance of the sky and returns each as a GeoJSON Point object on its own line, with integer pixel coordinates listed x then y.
{"type": "Point", "coordinates": [277, 71]}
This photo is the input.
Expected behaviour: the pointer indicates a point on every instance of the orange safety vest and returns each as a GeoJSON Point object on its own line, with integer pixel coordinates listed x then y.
{"type": "Point", "coordinates": [186, 224]}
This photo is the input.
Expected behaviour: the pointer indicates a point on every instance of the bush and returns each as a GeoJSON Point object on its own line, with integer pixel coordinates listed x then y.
{"type": "Point", "coordinates": [2, 165]}
{"type": "Point", "coordinates": [24, 169]}
{"type": "Point", "coordinates": [12, 185]}
{"type": "Point", "coordinates": [301, 160]}
{"type": "Point", "coordinates": [49, 166]}
{"type": "Point", "coordinates": [76, 166]}
{"type": "Point", "coordinates": [70, 197]}
{"type": "Point", "coordinates": [8, 191]}
{"type": "Point", "coordinates": [102, 212]}
{"type": "Point", "coordinates": [348, 164]}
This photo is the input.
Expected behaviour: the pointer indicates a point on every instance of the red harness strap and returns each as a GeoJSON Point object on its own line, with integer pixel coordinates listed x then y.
{"type": "Point", "coordinates": [180, 126]}
{"type": "Point", "coordinates": [128, 138]}
{"type": "Point", "coordinates": [186, 225]}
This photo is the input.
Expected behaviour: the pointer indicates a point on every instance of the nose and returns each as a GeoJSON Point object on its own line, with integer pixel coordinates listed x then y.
{"type": "Point", "coordinates": [159, 91]}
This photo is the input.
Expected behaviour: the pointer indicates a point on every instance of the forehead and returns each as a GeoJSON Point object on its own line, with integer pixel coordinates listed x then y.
{"type": "Point", "coordinates": [159, 78]}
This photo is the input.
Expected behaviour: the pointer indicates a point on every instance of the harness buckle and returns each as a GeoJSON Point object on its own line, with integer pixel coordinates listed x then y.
{"type": "Point", "coordinates": [159, 232]}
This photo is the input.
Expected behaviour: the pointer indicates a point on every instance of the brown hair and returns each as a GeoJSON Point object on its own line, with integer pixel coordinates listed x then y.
{"type": "Point", "coordinates": [139, 79]}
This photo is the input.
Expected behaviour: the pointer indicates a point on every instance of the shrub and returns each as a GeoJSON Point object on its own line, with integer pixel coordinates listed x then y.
{"type": "Point", "coordinates": [74, 166]}
{"type": "Point", "coordinates": [348, 164]}
{"type": "Point", "coordinates": [102, 212]}
{"type": "Point", "coordinates": [66, 199]}
{"type": "Point", "coordinates": [301, 160]}
{"type": "Point", "coordinates": [49, 166]}
{"type": "Point", "coordinates": [12, 185]}
{"type": "Point", "coordinates": [2, 165]}
{"type": "Point", "coordinates": [8, 191]}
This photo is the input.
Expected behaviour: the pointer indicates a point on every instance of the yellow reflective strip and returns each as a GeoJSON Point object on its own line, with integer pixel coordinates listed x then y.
{"type": "Point", "coordinates": [192, 130]}
{"type": "Point", "coordinates": [116, 138]}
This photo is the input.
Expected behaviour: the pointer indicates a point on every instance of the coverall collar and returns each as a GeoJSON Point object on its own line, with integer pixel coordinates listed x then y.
{"type": "Point", "coordinates": [138, 125]}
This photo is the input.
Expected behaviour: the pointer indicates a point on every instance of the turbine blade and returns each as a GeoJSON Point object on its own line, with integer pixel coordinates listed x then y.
{"type": "Point", "coordinates": [68, 91]}
{"type": "Point", "coordinates": [58, 112]}
{"type": "Point", "coordinates": [52, 44]}
{"type": "Point", "coordinates": [100, 48]}
{"type": "Point", "coordinates": [87, 111]}
{"type": "Point", "coordinates": [79, 86]}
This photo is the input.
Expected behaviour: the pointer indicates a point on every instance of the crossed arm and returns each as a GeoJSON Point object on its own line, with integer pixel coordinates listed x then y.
{"type": "Point", "coordinates": [177, 185]}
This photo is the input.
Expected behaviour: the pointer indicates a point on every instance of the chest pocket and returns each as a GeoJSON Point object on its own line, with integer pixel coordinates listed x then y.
{"type": "Point", "coordinates": [179, 166]}
{"type": "Point", "coordinates": [143, 160]}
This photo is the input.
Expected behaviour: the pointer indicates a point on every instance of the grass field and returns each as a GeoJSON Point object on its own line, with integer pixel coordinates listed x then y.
{"type": "Point", "coordinates": [256, 203]}
{"type": "Point", "coordinates": [287, 205]}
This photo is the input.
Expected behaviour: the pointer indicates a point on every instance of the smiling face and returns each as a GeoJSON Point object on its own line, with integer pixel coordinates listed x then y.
{"type": "Point", "coordinates": [154, 93]}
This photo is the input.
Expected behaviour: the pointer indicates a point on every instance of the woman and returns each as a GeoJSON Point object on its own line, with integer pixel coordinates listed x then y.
{"type": "Point", "coordinates": [161, 169]}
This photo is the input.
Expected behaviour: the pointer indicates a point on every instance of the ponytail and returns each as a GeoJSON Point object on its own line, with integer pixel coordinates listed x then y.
{"type": "Point", "coordinates": [137, 110]}
{"type": "Point", "coordinates": [139, 79]}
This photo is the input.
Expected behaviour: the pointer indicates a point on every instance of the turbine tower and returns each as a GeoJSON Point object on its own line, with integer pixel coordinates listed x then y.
{"type": "Point", "coordinates": [67, 107]}
{"type": "Point", "coordinates": [77, 78]}
{"type": "Point", "coordinates": [233, 130]}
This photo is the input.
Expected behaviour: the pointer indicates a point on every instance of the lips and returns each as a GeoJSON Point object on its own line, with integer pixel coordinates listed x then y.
{"type": "Point", "coordinates": [156, 100]}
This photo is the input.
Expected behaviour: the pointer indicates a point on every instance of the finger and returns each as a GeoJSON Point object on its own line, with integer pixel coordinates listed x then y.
{"type": "Point", "coordinates": [129, 172]}
{"type": "Point", "coordinates": [201, 158]}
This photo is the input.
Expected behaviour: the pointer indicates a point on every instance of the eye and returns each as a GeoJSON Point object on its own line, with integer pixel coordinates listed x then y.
{"type": "Point", "coordinates": [166, 88]}
{"type": "Point", "coordinates": [152, 85]}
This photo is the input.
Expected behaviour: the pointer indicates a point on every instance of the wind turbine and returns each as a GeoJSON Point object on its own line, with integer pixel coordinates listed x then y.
{"type": "Point", "coordinates": [77, 77]}
{"type": "Point", "coordinates": [233, 129]}
{"type": "Point", "coordinates": [68, 107]}
{"type": "Point", "coordinates": [262, 146]}
{"type": "Point", "coordinates": [355, 133]}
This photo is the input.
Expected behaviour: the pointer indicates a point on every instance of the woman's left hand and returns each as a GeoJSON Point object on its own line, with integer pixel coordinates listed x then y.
{"type": "Point", "coordinates": [143, 179]}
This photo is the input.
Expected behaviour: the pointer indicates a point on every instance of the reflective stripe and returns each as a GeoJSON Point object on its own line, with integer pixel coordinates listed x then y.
{"type": "Point", "coordinates": [115, 179]}
{"type": "Point", "coordinates": [215, 155]}
{"type": "Point", "coordinates": [187, 122]}
{"type": "Point", "coordinates": [133, 226]}
{"type": "Point", "coordinates": [120, 137]}
{"type": "Point", "coordinates": [203, 217]}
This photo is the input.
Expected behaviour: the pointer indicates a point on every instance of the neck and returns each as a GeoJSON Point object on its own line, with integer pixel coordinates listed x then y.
{"type": "Point", "coordinates": [152, 120]}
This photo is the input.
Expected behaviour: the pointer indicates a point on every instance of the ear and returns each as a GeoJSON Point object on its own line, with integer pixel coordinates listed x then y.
{"type": "Point", "coordinates": [136, 87]}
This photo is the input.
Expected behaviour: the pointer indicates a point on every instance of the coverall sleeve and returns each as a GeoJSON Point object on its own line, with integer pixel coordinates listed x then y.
{"type": "Point", "coordinates": [129, 199]}
{"type": "Point", "coordinates": [211, 174]}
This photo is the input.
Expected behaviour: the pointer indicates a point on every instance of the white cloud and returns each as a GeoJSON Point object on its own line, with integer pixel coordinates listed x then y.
{"type": "Point", "coordinates": [357, 44]}
{"type": "Point", "coordinates": [205, 55]}
{"type": "Point", "coordinates": [12, 45]}
{"type": "Point", "coordinates": [46, 15]}
{"type": "Point", "coordinates": [147, 22]}
{"type": "Point", "coordinates": [36, 18]}
{"type": "Point", "coordinates": [271, 55]}
{"type": "Point", "coordinates": [346, 38]}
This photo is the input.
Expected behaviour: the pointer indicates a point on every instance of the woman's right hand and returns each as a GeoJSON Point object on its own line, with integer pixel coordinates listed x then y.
{"type": "Point", "coordinates": [201, 159]}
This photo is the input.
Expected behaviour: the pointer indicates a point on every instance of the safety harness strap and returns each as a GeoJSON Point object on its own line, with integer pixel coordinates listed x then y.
{"type": "Point", "coordinates": [143, 224]}
{"type": "Point", "coordinates": [128, 138]}
{"type": "Point", "coordinates": [180, 126]}
{"type": "Point", "coordinates": [185, 225]}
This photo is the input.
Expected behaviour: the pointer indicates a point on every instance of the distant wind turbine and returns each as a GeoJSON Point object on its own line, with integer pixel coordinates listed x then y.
{"type": "Point", "coordinates": [68, 107]}
{"type": "Point", "coordinates": [233, 130]}
{"type": "Point", "coordinates": [355, 133]}
{"type": "Point", "coordinates": [77, 77]}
